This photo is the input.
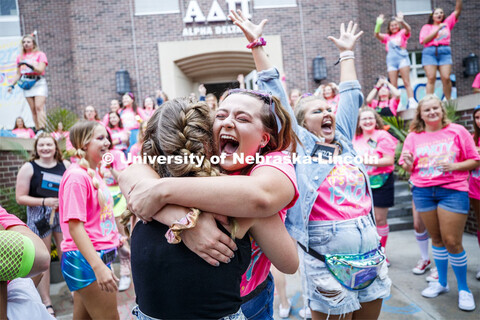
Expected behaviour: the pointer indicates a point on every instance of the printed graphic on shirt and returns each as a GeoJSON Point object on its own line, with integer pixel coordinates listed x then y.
{"type": "Point", "coordinates": [432, 155]}
{"type": "Point", "coordinates": [107, 220]}
{"type": "Point", "coordinates": [347, 186]}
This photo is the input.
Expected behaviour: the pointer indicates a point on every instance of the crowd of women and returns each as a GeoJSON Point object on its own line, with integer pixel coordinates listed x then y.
{"type": "Point", "coordinates": [204, 237]}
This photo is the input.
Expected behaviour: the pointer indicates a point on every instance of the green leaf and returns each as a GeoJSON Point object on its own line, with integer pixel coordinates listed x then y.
{"type": "Point", "coordinates": [10, 203]}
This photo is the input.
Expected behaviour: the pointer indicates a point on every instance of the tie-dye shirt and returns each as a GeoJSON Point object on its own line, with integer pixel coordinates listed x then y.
{"type": "Point", "coordinates": [443, 36]}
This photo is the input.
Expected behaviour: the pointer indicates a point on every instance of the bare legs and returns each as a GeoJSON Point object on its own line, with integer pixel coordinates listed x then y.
{"type": "Point", "coordinates": [37, 106]}
{"type": "Point", "coordinates": [431, 72]}
{"type": "Point", "coordinates": [405, 74]}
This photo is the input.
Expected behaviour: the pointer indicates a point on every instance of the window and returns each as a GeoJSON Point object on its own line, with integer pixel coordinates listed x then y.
{"type": "Point", "coordinates": [144, 7]}
{"type": "Point", "coordinates": [9, 21]}
{"type": "Point", "coordinates": [260, 4]}
{"type": "Point", "coordinates": [414, 6]}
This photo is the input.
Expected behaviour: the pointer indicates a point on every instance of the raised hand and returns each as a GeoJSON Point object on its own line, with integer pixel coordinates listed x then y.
{"type": "Point", "coordinates": [347, 38]}
{"type": "Point", "coordinates": [251, 31]}
{"type": "Point", "coordinates": [380, 18]}
{"type": "Point", "coordinates": [399, 17]}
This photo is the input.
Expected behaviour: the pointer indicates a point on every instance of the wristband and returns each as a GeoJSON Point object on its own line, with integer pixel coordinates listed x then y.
{"type": "Point", "coordinates": [345, 55]}
{"type": "Point", "coordinates": [378, 25]}
{"type": "Point", "coordinates": [260, 42]}
{"type": "Point", "coordinates": [187, 222]}
{"type": "Point", "coordinates": [377, 88]}
{"type": "Point", "coordinates": [12, 86]}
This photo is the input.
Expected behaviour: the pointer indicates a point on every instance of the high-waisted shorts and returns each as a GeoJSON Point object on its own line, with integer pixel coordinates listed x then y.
{"type": "Point", "coordinates": [437, 56]}
{"type": "Point", "coordinates": [323, 292]}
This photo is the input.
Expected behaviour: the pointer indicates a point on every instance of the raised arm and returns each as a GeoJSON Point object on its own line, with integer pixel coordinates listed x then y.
{"type": "Point", "coordinates": [395, 92]}
{"type": "Point", "coordinates": [458, 8]}
{"type": "Point", "coordinates": [378, 27]}
{"type": "Point", "coordinates": [401, 20]}
{"type": "Point", "coordinates": [433, 34]}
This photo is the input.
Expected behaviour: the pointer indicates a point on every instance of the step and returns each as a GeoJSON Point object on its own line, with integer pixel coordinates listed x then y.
{"type": "Point", "coordinates": [401, 186]}
{"type": "Point", "coordinates": [400, 210]}
{"type": "Point", "coordinates": [400, 223]}
{"type": "Point", "coordinates": [403, 196]}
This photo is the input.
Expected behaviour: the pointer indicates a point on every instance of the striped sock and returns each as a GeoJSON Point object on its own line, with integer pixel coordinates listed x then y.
{"type": "Point", "coordinates": [383, 233]}
{"type": "Point", "coordinates": [440, 255]}
{"type": "Point", "coordinates": [422, 240]}
{"type": "Point", "coordinates": [459, 266]}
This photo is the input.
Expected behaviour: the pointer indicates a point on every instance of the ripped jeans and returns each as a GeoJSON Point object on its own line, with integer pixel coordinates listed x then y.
{"type": "Point", "coordinates": [322, 291]}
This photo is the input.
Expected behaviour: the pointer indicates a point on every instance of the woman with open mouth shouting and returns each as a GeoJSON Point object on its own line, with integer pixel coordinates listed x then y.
{"type": "Point", "coordinates": [247, 123]}
{"type": "Point", "coordinates": [333, 219]}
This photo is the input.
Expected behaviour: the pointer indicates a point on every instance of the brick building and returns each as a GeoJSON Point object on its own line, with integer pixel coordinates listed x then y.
{"type": "Point", "coordinates": [88, 41]}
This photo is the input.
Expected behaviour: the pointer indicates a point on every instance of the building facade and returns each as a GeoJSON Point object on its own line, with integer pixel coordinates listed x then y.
{"type": "Point", "coordinates": [177, 44]}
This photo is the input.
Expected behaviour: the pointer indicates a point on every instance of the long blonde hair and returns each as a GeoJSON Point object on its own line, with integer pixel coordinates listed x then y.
{"type": "Point", "coordinates": [35, 45]}
{"type": "Point", "coordinates": [80, 135]}
{"type": "Point", "coordinates": [418, 125]}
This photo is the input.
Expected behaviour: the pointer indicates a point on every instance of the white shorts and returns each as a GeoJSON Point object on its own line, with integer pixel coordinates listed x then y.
{"type": "Point", "coordinates": [40, 89]}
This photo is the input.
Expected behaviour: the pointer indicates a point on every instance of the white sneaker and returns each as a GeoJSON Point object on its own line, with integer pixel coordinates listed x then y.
{"type": "Point", "coordinates": [305, 313]}
{"type": "Point", "coordinates": [434, 289]}
{"type": "Point", "coordinates": [466, 301]}
{"type": "Point", "coordinates": [124, 283]}
{"type": "Point", "coordinates": [284, 312]}
{"type": "Point", "coordinates": [412, 103]}
{"type": "Point", "coordinates": [433, 276]}
{"type": "Point", "coordinates": [421, 267]}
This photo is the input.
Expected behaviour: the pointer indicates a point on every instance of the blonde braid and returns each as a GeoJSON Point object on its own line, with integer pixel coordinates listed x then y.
{"type": "Point", "coordinates": [85, 165]}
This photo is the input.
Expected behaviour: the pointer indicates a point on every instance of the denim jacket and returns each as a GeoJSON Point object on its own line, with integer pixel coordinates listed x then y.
{"type": "Point", "coordinates": [311, 176]}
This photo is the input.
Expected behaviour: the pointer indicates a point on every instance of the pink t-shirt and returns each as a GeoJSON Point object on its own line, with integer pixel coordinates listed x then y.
{"type": "Point", "coordinates": [8, 220]}
{"type": "Point", "coordinates": [129, 120]}
{"type": "Point", "coordinates": [259, 266]}
{"type": "Point", "coordinates": [474, 183]}
{"type": "Point", "coordinates": [119, 163]}
{"type": "Point", "coordinates": [78, 201]}
{"type": "Point", "coordinates": [430, 149]}
{"type": "Point", "coordinates": [135, 150]}
{"type": "Point", "coordinates": [333, 103]}
{"type": "Point", "coordinates": [399, 39]}
{"type": "Point", "coordinates": [24, 133]}
{"type": "Point", "coordinates": [105, 120]}
{"type": "Point", "coordinates": [33, 58]}
{"type": "Point", "coordinates": [145, 114]}
{"type": "Point", "coordinates": [119, 134]}
{"type": "Point", "coordinates": [443, 36]}
{"type": "Point", "coordinates": [343, 195]}
{"type": "Point", "coordinates": [379, 144]}
{"type": "Point", "coordinates": [476, 82]}
{"type": "Point", "coordinates": [392, 104]}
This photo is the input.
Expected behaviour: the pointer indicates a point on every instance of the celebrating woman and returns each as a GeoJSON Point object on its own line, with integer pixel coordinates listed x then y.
{"type": "Point", "coordinates": [31, 66]}
{"type": "Point", "coordinates": [439, 155]}
{"type": "Point", "coordinates": [397, 55]}
{"type": "Point", "coordinates": [384, 98]}
{"type": "Point", "coordinates": [332, 217]}
{"type": "Point", "coordinates": [437, 54]}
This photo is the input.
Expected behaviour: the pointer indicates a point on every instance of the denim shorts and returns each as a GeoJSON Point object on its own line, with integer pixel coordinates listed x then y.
{"type": "Point", "coordinates": [322, 291]}
{"type": "Point", "coordinates": [429, 198]}
{"type": "Point", "coordinates": [142, 316]}
{"type": "Point", "coordinates": [437, 56]}
{"type": "Point", "coordinates": [76, 270]}
{"type": "Point", "coordinates": [261, 306]}
{"type": "Point", "coordinates": [39, 212]}
{"type": "Point", "coordinates": [397, 61]}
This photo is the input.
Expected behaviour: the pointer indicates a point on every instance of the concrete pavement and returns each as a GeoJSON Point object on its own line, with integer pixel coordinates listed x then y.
{"type": "Point", "coordinates": [405, 301]}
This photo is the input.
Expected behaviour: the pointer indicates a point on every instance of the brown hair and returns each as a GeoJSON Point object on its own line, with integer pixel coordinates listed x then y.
{"type": "Point", "coordinates": [378, 120]}
{"type": "Point", "coordinates": [476, 129]}
{"type": "Point", "coordinates": [418, 125]}
{"type": "Point", "coordinates": [80, 136]}
{"type": "Point", "coordinates": [94, 109]}
{"type": "Point", "coordinates": [58, 152]}
{"type": "Point", "coordinates": [16, 126]}
{"type": "Point", "coordinates": [430, 17]}
{"type": "Point", "coordinates": [35, 46]}
{"type": "Point", "coordinates": [120, 123]}
{"type": "Point", "coordinates": [388, 27]}
{"type": "Point", "coordinates": [285, 139]}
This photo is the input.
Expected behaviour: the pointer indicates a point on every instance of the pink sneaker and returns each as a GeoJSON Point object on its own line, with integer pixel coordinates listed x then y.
{"type": "Point", "coordinates": [421, 267]}
{"type": "Point", "coordinates": [433, 276]}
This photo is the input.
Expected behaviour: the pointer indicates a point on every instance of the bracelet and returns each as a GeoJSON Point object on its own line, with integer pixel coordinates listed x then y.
{"type": "Point", "coordinates": [187, 222]}
{"type": "Point", "coordinates": [260, 42]}
{"type": "Point", "coordinates": [43, 202]}
{"type": "Point", "coordinates": [377, 88]}
{"type": "Point", "coordinates": [345, 55]}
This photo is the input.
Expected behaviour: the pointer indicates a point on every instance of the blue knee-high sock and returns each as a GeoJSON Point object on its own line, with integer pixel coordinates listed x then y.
{"type": "Point", "coordinates": [440, 255]}
{"type": "Point", "coordinates": [459, 266]}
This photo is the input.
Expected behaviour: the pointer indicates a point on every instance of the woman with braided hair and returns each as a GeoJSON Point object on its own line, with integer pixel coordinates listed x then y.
{"type": "Point", "coordinates": [88, 224]}
{"type": "Point", "coordinates": [191, 288]}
